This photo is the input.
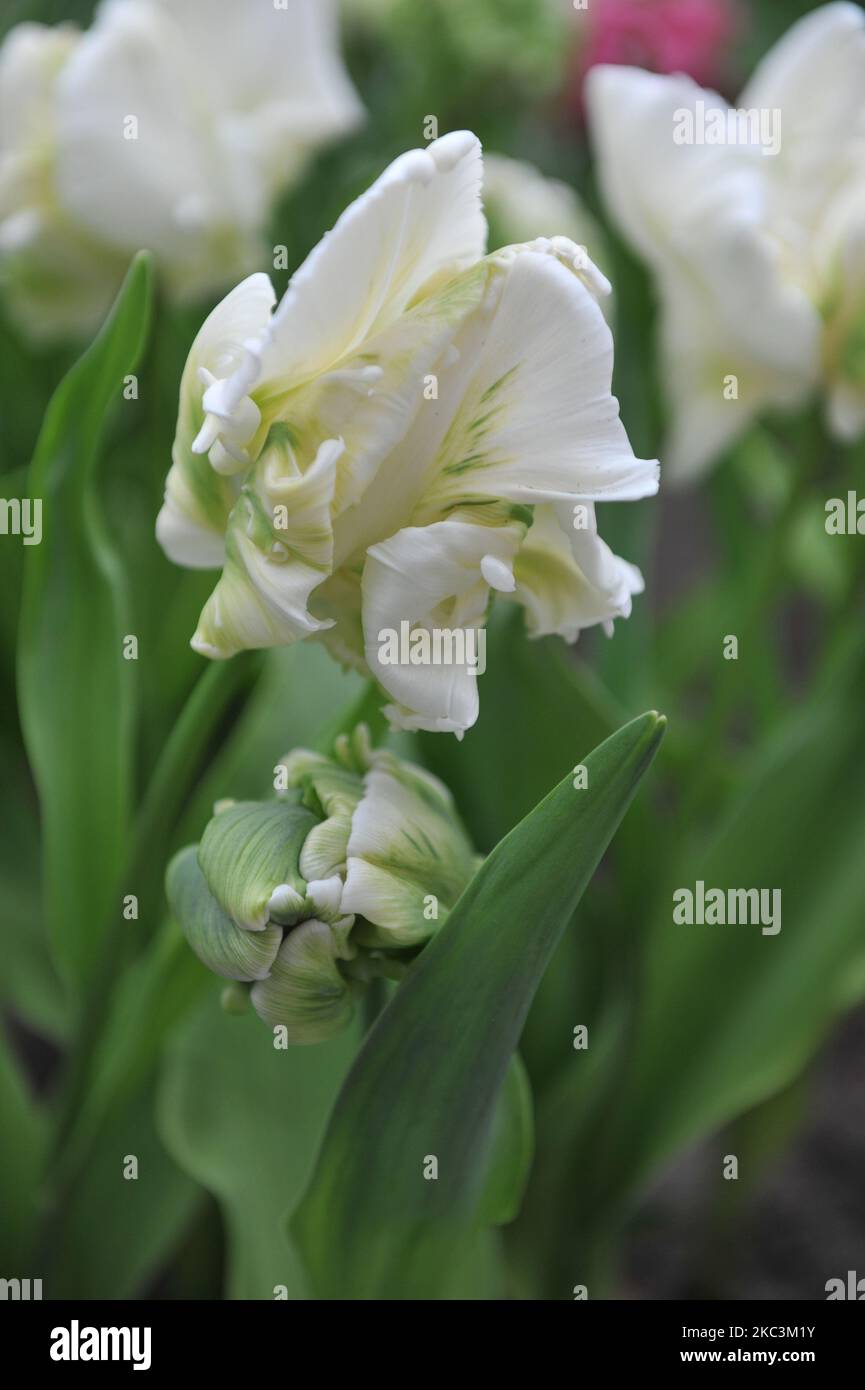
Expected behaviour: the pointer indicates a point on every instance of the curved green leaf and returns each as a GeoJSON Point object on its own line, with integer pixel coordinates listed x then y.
{"type": "Point", "coordinates": [728, 1017]}
{"type": "Point", "coordinates": [117, 1225]}
{"type": "Point", "coordinates": [244, 1118]}
{"type": "Point", "coordinates": [380, 1218]}
{"type": "Point", "coordinates": [23, 1136]}
{"type": "Point", "coordinates": [512, 1147]}
{"type": "Point", "coordinates": [75, 688]}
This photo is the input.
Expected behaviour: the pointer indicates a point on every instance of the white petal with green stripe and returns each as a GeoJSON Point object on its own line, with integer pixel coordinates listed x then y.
{"type": "Point", "coordinates": [250, 850]}
{"type": "Point", "coordinates": [408, 856]}
{"type": "Point", "coordinates": [306, 993]}
{"type": "Point", "coordinates": [219, 943]}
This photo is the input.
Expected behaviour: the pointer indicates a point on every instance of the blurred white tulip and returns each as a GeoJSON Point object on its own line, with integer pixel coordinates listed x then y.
{"type": "Point", "coordinates": [754, 227]}
{"type": "Point", "coordinates": [170, 125]}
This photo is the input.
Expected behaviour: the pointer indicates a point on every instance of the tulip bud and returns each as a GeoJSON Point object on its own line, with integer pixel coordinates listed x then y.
{"type": "Point", "coordinates": [341, 878]}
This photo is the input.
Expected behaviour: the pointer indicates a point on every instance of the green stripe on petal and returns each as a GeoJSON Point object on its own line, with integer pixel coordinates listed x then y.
{"type": "Point", "coordinates": [335, 792]}
{"type": "Point", "coordinates": [279, 547]}
{"type": "Point", "coordinates": [408, 856]}
{"type": "Point", "coordinates": [306, 992]}
{"type": "Point", "coordinates": [249, 853]}
{"type": "Point", "coordinates": [222, 946]}
{"type": "Point", "coordinates": [198, 500]}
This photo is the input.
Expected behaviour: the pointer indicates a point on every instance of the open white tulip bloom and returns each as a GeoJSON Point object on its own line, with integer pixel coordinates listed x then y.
{"type": "Point", "coordinates": [754, 227]}
{"type": "Point", "coordinates": [169, 125]}
{"type": "Point", "coordinates": [417, 425]}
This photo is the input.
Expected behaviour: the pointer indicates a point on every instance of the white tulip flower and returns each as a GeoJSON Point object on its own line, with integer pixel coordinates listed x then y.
{"type": "Point", "coordinates": [54, 275]}
{"type": "Point", "coordinates": [417, 425]}
{"type": "Point", "coordinates": [169, 125]}
{"type": "Point", "coordinates": [752, 220]}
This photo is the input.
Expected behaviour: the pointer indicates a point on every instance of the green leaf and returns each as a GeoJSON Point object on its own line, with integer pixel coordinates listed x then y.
{"type": "Point", "coordinates": [426, 1082]}
{"type": "Point", "coordinates": [28, 982]}
{"type": "Point", "coordinates": [730, 1016]}
{"type": "Point", "coordinates": [494, 792]}
{"type": "Point", "coordinates": [512, 1148]}
{"type": "Point", "coordinates": [149, 1001]}
{"type": "Point", "coordinates": [113, 1231]}
{"type": "Point", "coordinates": [244, 1118]}
{"type": "Point", "coordinates": [22, 1153]}
{"type": "Point", "coordinates": [727, 1017]}
{"type": "Point", "coordinates": [75, 688]}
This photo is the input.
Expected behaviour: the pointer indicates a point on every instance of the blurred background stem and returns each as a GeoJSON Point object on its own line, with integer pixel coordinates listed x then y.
{"type": "Point", "coordinates": [753, 621]}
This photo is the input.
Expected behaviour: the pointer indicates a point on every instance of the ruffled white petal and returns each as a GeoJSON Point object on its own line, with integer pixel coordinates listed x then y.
{"type": "Point", "coordinates": [421, 218]}
{"type": "Point", "coordinates": [567, 578]}
{"type": "Point", "coordinates": [430, 577]}
{"type": "Point", "coordinates": [408, 857]}
{"type": "Point", "coordinates": [527, 402]}
{"type": "Point", "coordinates": [191, 525]}
{"type": "Point", "coordinates": [279, 548]}
{"type": "Point", "coordinates": [369, 401]}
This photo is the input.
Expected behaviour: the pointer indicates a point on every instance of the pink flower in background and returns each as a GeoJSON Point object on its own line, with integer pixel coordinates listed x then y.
{"type": "Point", "coordinates": [689, 36]}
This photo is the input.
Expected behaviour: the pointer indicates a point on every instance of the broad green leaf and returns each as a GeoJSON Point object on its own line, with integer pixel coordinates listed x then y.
{"type": "Point", "coordinates": [727, 1017]}
{"type": "Point", "coordinates": [150, 1000]}
{"type": "Point", "coordinates": [75, 688]}
{"type": "Point", "coordinates": [501, 770]}
{"type": "Point", "coordinates": [23, 1136]}
{"type": "Point", "coordinates": [731, 1015]}
{"type": "Point", "coordinates": [425, 1084]}
{"type": "Point", "coordinates": [113, 1231]}
{"type": "Point", "coordinates": [29, 984]}
{"type": "Point", "coordinates": [511, 1147]}
{"type": "Point", "coordinates": [244, 1118]}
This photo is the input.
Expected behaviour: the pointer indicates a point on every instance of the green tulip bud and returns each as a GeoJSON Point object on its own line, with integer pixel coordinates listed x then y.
{"type": "Point", "coordinates": [309, 896]}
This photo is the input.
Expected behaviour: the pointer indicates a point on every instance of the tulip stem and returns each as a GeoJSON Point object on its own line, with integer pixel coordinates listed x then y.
{"type": "Point", "coordinates": [762, 594]}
